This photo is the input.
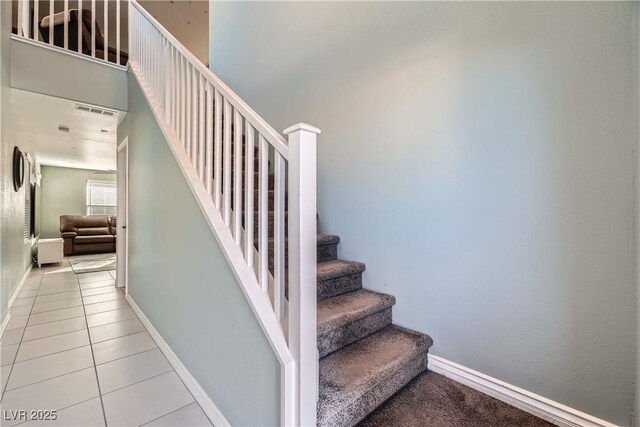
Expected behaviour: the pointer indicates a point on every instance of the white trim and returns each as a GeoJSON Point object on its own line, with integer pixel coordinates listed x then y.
{"type": "Point", "coordinates": [532, 403]}
{"type": "Point", "coordinates": [67, 52]}
{"type": "Point", "coordinates": [5, 322]}
{"type": "Point", "coordinates": [201, 396]}
{"type": "Point", "coordinates": [15, 293]}
{"type": "Point", "coordinates": [123, 175]}
{"type": "Point", "coordinates": [12, 298]}
{"type": "Point", "coordinates": [258, 301]}
{"type": "Point", "coordinates": [275, 139]}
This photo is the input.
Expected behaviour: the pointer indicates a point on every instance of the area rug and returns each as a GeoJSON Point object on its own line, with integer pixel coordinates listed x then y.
{"type": "Point", "coordinates": [90, 265]}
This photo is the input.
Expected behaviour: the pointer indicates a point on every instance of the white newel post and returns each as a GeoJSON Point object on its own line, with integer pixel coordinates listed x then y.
{"type": "Point", "coordinates": [302, 266]}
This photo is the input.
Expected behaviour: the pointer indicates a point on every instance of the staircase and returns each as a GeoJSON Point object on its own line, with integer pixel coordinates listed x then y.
{"type": "Point", "coordinates": [257, 191]}
{"type": "Point", "coordinates": [364, 358]}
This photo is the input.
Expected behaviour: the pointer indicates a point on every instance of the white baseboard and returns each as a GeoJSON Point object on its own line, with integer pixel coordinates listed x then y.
{"type": "Point", "coordinates": [5, 322]}
{"type": "Point", "coordinates": [532, 403]}
{"type": "Point", "coordinates": [203, 399]}
{"type": "Point", "coordinates": [18, 288]}
{"type": "Point", "coordinates": [12, 298]}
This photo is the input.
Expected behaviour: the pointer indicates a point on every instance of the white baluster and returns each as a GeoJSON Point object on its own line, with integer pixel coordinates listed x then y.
{"type": "Point", "coordinates": [209, 149]}
{"type": "Point", "coordinates": [263, 213]}
{"type": "Point", "coordinates": [278, 237]}
{"type": "Point", "coordinates": [93, 27]}
{"type": "Point", "coordinates": [201, 123]}
{"type": "Point", "coordinates": [248, 205]}
{"type": "Point", "coordinates": [227, 163]}
{"type": "Point", "coordinates": [218, 150]}
{"type": "Point", "coordinates": [302, 264]}
{"type": "Point", "coordinates": [194, 117]}
{"type": "Point", "coordinates": [66, 24]}
{"type": "Point", "coordinates": [51, 12]}
{"type": "Point", "coordinates": [20, 11]}
{"type": "Point", "coordinates": [237, 190]}
{"type": "Point", "coordinates": [188, 118]}
{"type": "Point", "coordinates": [118, 31]}
{"type": "Point", "coordinates": [36, 20]}
{"type": "Point", "coordinates": [106, 29]}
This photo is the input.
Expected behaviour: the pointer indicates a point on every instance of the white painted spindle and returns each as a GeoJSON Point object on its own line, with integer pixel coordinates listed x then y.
{"type": "Point", "coordinates": [209, 135]}
{"type": "Point", "coordinates": [80, 26]}
{"type": "Point", "coordinates": [106, 29]}
{"type": "Point", "coordinates": [218, 150]}
{"type": "Point", "coordinates": [201, 127]}
{"type": "Point", "coordinates": [66, 24]}
{"type": "Point", "coordinates": [51, 12]}
{"type": "Point", "coordinates": [248, 205]}
{"type": "Point", "coordinates": [36, 20]}
{"type": "Point", "coordinates": [227, 163]}
{"type": "Point", "coordinates": [237, 172]}
{"type": "Point", "coordinates": [278, 236]}
{"type": "Point", "coordinates": [263, 213]}
{"type": "Point", "coordinates": [118, 18]}
{"type": "Point", "coordinates": [93, 27]}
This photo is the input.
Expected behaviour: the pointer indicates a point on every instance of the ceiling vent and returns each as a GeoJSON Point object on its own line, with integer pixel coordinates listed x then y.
{"type": "Point", "coordinates": [95, 110]}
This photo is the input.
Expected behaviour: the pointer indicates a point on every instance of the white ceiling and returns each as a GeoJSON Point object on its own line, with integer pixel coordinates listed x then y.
{"type": "Point", "coordinates": [187, 20]}
{"type": "Point", "coordinates": [86, 146]}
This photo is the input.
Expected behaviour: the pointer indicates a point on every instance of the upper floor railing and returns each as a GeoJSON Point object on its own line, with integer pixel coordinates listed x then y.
{"type": "Point", "coordinates": [96, 29]}
{"type": "Point", "coordinates": [256, 189]}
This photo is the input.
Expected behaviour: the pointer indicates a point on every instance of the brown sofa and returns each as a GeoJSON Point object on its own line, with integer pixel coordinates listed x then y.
{"type": "Point", "coordinates": [85, 234]}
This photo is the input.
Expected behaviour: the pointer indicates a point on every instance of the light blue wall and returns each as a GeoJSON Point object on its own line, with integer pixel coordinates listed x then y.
{"type": "Point", "coordinates": [180, 278]}
{"type": "Point", "coordinates": [15, 253]}
{"type": "Point", "coordinates": [478, 158]}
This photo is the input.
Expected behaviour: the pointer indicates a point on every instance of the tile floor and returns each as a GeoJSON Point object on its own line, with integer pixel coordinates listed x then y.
{"type": "Point", "coordinates": [74, 346]}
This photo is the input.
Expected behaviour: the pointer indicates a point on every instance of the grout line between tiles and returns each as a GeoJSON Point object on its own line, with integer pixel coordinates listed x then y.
{"type": "Point", "coordinates": [52, 378]}
{"type": "Point", "coordinates": [168, 413]}
{"type": "Point", "coordinates": [138, 382]}
{"type": "Point", "coordinates": [4, 389]}
{"type": "Point", "coordinates": [51, 354]}
{"type": "Point", "coordinates": [95, 367]}
{"type": "Point", "coordinates": [54, 335]}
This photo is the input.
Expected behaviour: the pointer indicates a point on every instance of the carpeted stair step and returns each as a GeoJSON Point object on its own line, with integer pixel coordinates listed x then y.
{"type": "Point", "coordinates": [327, 247]}
{"type": "Point", "coordinates": [349, 317]}
{"type": "Point", "coordinates": [338, 277]}
{"type": "Point", "coordinates": [357, 378]}
{"type": "Point", "coordinates": [326, 251]}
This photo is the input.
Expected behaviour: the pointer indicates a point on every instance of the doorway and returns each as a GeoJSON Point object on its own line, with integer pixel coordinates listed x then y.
{"type": "Point", "coordinates": [122, 233]}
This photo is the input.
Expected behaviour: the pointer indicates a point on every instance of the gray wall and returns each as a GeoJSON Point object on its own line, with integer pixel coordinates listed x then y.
{"type": "Point", "coordinates": [64, 192]}
{"type": "Point", "coordinates": [180, 278]}
{"type": "Point", "coordinates": [15, 253]}
{"type": "Point", "coordinates": [478, 158]}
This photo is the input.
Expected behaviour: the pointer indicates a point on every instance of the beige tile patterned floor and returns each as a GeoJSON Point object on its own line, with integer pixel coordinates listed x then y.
{"type": "Point", "coordinates": [74, 348]}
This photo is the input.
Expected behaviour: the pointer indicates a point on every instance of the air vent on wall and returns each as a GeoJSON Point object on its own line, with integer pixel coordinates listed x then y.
{"type": "Point", "coordinates": [95, 110]}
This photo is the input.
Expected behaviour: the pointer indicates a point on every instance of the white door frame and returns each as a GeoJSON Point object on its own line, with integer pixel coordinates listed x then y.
{"type": "Point", "coordinates": [123, 217]}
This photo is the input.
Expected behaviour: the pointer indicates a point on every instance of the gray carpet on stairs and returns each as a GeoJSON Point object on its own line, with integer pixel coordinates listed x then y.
{"type": "Point", "coordinates": [434, 400]}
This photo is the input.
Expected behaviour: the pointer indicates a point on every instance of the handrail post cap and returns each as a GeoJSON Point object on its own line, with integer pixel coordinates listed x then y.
{"type": "Point", "coordinates": [301, 126]}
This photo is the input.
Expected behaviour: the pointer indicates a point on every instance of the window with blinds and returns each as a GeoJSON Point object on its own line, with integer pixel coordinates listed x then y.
{"type": "Point", "coordinates": [27, 198]}
{"type": "Point", "coordinates": [101, 198]}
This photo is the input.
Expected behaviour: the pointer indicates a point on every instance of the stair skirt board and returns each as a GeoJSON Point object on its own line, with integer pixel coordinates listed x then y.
{"type": "Point", "coordinates": [208, 406]}
{"type": "Point", "coordinates": [532, 403]}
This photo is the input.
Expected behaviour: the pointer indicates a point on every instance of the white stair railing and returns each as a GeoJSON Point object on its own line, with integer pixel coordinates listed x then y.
{"type": "Point", "coordinates": [231, 158]}
{"type": "Point", "coordinates": [62, 24]}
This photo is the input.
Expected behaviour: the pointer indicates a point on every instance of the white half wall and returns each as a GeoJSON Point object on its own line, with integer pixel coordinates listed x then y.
{"type": "Point", "coordinates": [52, 72]}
